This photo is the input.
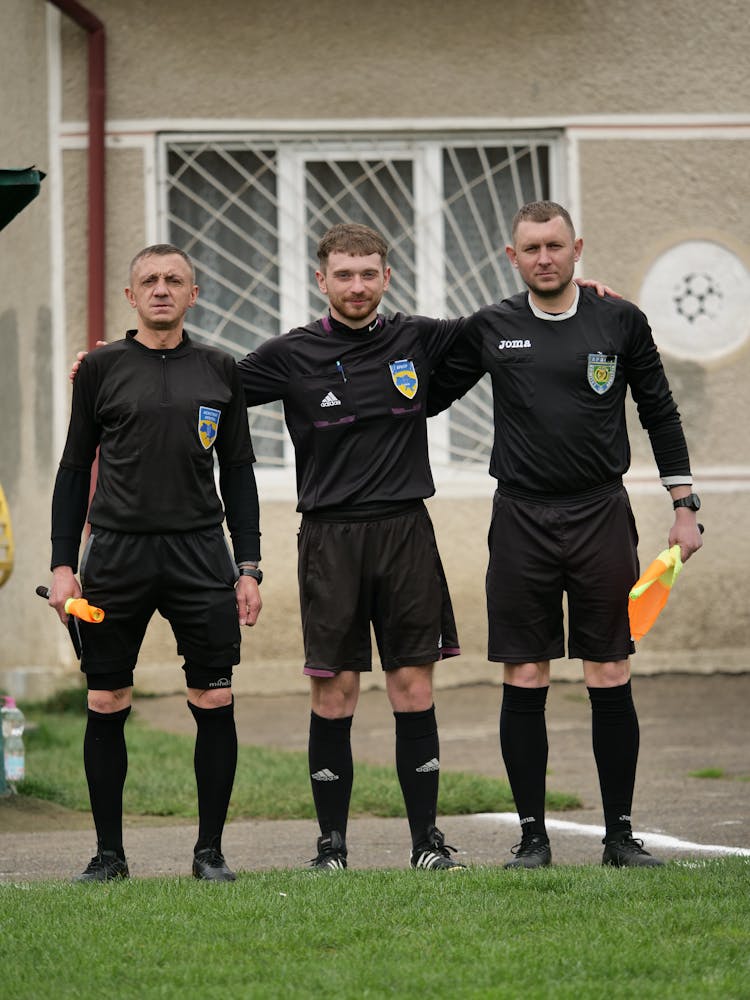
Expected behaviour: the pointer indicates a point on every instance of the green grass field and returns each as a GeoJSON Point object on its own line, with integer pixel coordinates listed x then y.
{"type": "Point", "coordinates": [680, 932]}
{"type": "Point", "coordinates": [270, 783]}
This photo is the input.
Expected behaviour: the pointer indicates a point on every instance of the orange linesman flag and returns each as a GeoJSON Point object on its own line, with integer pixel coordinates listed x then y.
{"type": "Point", "coordinates": [81, 608]}
{"type": "Point", "coordinates": [650, 592]}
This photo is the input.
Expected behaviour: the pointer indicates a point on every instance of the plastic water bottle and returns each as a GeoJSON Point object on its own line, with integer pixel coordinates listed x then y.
{"type": "Point", "coordinates": [13, 726]}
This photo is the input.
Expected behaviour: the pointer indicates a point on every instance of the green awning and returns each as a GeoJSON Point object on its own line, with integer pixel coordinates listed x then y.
{"type": "Point", "coordinates": [17, 189]}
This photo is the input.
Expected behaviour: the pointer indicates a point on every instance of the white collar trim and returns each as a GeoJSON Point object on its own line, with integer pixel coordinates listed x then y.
{"type": "Point", "coordinates": [555, 317]}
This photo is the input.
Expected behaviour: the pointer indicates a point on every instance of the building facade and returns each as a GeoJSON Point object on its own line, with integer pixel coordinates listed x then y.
{"type": "Point", "coordinates": [240, 133]}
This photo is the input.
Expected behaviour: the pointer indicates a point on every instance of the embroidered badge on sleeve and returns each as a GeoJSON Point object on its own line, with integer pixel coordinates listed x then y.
{"type": "Point", "coordinates": [601, 371]}
{"type": "Point", "coordinates": [208, 425]}
{"type": "Point", "coordinates": [404, 377]}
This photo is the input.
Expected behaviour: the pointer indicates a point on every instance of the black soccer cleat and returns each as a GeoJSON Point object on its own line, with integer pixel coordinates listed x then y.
{"type": "Point", "coordinates": [105, 866]}
{"type": "Point", "coordinates": [209, 864]}
{"type": "Point", "coordinates": [624, 851]}
{"type": "Point", "coordinates": [434, 854]}
{"type": "Point", "coordinates": [331, 853]}
{"type": "Point", "coordinates": [533, 852]}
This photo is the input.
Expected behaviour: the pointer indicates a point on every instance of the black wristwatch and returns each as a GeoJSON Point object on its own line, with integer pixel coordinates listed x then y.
{"type": "Point", "coordinates": [253, 571]}
{"type": "Point", "coordinates": [693, 501]}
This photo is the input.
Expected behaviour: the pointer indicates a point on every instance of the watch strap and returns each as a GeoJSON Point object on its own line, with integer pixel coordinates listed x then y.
{"type": "Point", "coordinates": [253, 571]}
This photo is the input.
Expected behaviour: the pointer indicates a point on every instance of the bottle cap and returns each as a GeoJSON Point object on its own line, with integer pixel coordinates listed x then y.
{"type": "Point", "coordinates": [10, 702]}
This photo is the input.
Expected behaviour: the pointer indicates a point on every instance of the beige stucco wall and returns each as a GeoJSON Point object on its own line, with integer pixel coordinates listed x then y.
{"type": "Point", "coordinates": [639, 199]}
{"type": "Point", "coordinates": [424, 59]}
{"type": "Point", "coordinates": [26, 455]}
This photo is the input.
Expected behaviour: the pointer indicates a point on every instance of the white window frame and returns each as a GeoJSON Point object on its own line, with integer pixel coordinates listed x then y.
{"type": "Point", "coordinates": [425, 153]}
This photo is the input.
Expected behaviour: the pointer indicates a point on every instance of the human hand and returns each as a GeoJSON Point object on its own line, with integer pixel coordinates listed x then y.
{"type": "Point", "coordinates": [79, 358]}
{"type": "Point", "coordinates": [687, 533]}
{"type": "Point", "coordinates": [601, 290]}
{"type": "Point", "coordinates": [249, 601]}
{"type": "Point", "coordinates": [64, 585]}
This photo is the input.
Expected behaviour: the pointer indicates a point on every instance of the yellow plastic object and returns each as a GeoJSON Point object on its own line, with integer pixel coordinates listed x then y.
{"type": "Point", "coordinates": [6, 540]}
{"type": "Point", "coordinates": [80, 608]}
{"type": "Point", "coordinates": [651, 591]}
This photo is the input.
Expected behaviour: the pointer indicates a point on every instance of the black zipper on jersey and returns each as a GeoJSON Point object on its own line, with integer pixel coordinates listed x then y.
{"type": "Point", "coordinates": [164, 389]}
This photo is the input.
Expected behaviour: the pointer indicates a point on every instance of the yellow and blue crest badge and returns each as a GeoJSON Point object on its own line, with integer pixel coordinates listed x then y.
{"type": "Point", "coordinates": [601, 371]}
{"type": "Point", "coordinates": [404, 377]}
{"type": "Point", "coordinates": [208, 425]}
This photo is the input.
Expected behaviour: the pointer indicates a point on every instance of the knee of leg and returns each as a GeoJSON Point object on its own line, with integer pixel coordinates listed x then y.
{"type": "Point", "coordinates": [107, 702]}
{"type": "Point", "coordinates": [410, 688]}
{"type": "Point", "coordinates": [208, 687]}
{"type": "Point", "coordinates": [335, 697]}
{"type": "Point", "coordinates": [210, 697]}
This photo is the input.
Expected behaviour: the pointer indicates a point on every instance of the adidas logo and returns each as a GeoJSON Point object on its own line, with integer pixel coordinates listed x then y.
{"type": "Point", "coordinates": [324, 775]}
{"type": "Point", "coordinates": [330, 400]}
{"type": "Point", "coordinates": [431, 765]}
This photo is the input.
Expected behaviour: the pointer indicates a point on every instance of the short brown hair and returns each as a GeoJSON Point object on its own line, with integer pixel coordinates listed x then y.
{"type": "Point", "coordinates": [542, 211]}
{"type": "Point", "coordinates": [162, 250]}
{"type": "Point", "coordinates": [353, 239]}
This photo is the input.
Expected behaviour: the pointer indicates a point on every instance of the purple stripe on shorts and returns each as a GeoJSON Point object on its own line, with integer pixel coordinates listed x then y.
{"type": "Point", "coordinates": [450, 651]}
{"type": "Point", "coordinates": [318, 672]}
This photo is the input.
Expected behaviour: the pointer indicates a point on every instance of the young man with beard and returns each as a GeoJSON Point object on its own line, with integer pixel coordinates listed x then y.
{"type": "Point", "coordinates": [354, 387]}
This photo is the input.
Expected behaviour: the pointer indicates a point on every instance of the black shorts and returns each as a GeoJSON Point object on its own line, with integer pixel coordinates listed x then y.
{"type": "Point", "coordinates": [587, 549]}
{"type": "Point", "coordinates": [188, 577]}
{"type": "Point", "coordinates": [385, 571]}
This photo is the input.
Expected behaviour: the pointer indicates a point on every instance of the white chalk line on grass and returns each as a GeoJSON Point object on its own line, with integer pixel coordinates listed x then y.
{"type": "Point", "coordinates": [654, 839]}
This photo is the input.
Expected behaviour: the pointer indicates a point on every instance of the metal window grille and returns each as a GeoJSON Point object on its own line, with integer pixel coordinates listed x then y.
{"type": "Point", "coordinates": [250, 212]}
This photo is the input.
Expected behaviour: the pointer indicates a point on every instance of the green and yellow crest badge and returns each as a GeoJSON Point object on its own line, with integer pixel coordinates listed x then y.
{"type": "Point", "coordinates": [601, 371]}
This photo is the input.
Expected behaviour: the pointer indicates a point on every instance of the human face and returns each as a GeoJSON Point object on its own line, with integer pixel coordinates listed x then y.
{"type": "Point", "coordinates": [161, 292]}
{"type": "Point", "coordinates": [545, 254]}
{"type": "Point", "coordinates": [354, 287]}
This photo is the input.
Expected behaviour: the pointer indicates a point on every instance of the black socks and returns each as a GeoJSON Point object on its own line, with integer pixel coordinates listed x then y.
{"type": "Point", "coordinates": [215, 765]}
{"type": "Point", "coordinates": [418, 769]}
{"type": "Point", "coordinates": [105, 759]}
{"type": "Point", "coordinates": [615, 736]}
{"type": "Point", "coordinates": [615, 740]}
{"type": "Point", "coordinates": [523, 742]}
{"type": "Point", "coordinates": [329, 754]}
{"type": "Point", "coordinates": [417, 765]}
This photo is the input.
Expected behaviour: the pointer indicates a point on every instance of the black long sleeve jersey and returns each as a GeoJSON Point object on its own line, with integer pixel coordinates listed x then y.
{"type": "Point", "coordinates": [157, 417]}
{"type": "Point", "coordinates": [355, 405]}
{"type": "Point", "coordinates": [559, 390]}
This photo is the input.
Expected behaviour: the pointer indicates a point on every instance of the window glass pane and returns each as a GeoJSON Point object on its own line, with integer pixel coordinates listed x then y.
{"type": "Point", "coordinates": [223, 212]}
{"type": "Point", "coordinates": [223, 209]}
{"type": "Point", "coordinates": [375, 193]}
{"type": "Point", "coordinates": [483, 187]}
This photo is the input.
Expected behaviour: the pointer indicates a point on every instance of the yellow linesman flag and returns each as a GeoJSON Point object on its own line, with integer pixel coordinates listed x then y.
{"type": "Point", "coordinates": [6, 540]}
{"type": "Point", "coordinates": [650, 592]}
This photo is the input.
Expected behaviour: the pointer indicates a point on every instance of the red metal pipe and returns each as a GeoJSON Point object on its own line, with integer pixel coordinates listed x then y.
{"type": "Point", "coordinates": [97, 93]}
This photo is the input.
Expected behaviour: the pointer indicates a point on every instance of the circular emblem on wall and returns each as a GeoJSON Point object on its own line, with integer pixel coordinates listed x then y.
{"type": "Point", "coordinates": [696, 297]}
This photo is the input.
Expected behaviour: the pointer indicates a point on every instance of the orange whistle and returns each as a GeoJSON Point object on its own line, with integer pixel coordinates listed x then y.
{"type": "Point", "coordinates": [81, 608]}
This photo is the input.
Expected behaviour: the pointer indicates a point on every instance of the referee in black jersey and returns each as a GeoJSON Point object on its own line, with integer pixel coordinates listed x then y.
{"type": "Point", "coordinates": [561, 361]}
{"type": "Point", "coordinates": [354, 387]}
{"type": "Point", "coordinates": [158, 407]}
